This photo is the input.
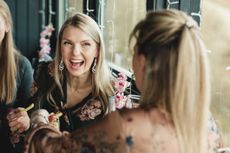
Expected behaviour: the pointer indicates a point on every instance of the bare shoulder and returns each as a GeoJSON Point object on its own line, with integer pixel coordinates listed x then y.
{"type": "Point", "coordinates": [152, 127]}
{"type": "Point", "coordinates": [153, 117]}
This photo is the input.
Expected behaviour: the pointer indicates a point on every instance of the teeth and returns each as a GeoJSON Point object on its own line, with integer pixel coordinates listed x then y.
{"type": "Point", "coordinates": [76, 61]}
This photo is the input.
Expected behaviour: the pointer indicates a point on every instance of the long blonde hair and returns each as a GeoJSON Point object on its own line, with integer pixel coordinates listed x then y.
{"type": "Point", "coordinates": [176, 76]}
{"type": "Point", "coordinates": [101, 80]}
{"type": "Point", "coordinates": [8, 58]}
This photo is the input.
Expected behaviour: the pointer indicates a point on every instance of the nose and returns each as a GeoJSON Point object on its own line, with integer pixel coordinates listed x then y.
{"type": "Point", "coordinates": [76, 49]}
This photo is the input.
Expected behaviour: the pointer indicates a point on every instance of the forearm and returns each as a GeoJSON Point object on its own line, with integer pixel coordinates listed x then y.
{"type": "Point", "coordinates": [44, 138]}
{"type": "Point", "coordinates": [101, 136]}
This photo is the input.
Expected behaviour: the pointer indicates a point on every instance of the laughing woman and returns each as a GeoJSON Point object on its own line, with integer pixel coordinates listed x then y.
{"type": "Point", "coordinates": [77, 82]}
{"type": "Point", "coordinates": [171, 70]}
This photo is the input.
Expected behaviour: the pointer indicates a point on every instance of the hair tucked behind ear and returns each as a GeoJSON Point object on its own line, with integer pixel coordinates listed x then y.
{"type": "Point", "coordinates": [176, 76]}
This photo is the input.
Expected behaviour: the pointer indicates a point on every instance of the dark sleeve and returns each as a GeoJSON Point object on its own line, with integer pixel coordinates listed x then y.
{"type": "Point", "coordinates": [42, 82]}
{"type": "Point", "coordinates": [24, 82]}
{"type": "Point", "coordinates": [41, 76]}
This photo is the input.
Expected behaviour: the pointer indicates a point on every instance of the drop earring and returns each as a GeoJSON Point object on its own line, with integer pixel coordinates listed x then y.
{"type": "Point", "coordinates": [61, 65]}
{"type": "Point", "coordinates": [94, 65]}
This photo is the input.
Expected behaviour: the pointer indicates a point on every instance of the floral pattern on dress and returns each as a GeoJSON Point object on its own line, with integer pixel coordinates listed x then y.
{"type": "Point", "coordinates": [88, 144]}
{"type": "Point", "coordinates": [66, 143]}
{"type": "Point", "coordinates": [114, 135]}
{"type": "Point", "coordinates": [89, 111]}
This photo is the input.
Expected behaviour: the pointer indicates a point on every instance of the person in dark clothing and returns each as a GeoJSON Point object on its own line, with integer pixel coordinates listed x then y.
{"type": "Point", "coordinates": [15, 83]}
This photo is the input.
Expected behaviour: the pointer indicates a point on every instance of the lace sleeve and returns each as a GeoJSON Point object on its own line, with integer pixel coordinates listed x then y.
{"type": "Point", "coordinates": [44, 138]}
{"type": "Point", "coordinates": [95, 138]}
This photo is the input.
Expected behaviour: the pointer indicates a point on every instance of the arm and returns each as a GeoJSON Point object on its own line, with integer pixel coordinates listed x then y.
{"type": "Point", "coordinates": [19, 120]}
{"type": "Point", "coordinates": [103, 136]}
{"type": "Point", "coordinates": [24, 82]}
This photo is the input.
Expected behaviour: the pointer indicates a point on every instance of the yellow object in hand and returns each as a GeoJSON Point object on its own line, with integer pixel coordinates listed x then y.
{"type": "Point", "coordinates": [54, 119]}
{"type": "Point", "coordinates": [28, 108]}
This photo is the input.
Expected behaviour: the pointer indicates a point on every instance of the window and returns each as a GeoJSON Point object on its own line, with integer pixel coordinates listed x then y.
{"type": "Point", "coordinates": [116, 19]}
{"type": "Point", "coordinates": [119, 19]}
{"type": "Point", "coordinates": [73, 6]}
{"type": "Point", "coordinates": [214, 27]}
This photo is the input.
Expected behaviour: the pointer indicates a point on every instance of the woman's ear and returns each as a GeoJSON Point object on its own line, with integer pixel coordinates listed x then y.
{"type": "Point", "coordinates": [97, 52]}
{"type": "Point", "coordinates": [6, 30]}
{"type": "Point", "coordinates": [142, 62]}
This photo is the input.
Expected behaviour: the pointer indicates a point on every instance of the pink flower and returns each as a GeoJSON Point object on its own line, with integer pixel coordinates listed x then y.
{"type": "Point", "coordinates": [120, 104]}
{"type": "Point", "coordinates": [45, 50]}
{"type": "Point", "coordinates": [119, 97]}
{"type": "Point", "coordinates": [122, 76]}
{"type": "Point", "coordinates": [120, 100]}
{"type": "Point", "coordinates": [49, 29]}
{"type": "Point", "coordinates": [45, 41]}
{"type": "Point", "coordinates": [94, 113]}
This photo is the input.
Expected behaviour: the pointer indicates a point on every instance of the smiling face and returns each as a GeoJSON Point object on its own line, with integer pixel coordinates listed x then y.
{"type": "Point", "coordinates": [78, 51]}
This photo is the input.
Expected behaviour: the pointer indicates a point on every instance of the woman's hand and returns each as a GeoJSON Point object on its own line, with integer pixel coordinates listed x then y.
{"type": "Point", "coordinates": [19, 120]}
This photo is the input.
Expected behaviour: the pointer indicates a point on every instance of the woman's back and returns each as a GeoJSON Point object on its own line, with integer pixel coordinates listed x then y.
{"type": "Point", "coordinates": [150, 131]}
{"type": "Point", "coordinates": [129, 131]}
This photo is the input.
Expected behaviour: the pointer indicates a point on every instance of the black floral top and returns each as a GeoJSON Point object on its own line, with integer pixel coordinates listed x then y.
{"type": "Point", "coordinates": [84, 113]}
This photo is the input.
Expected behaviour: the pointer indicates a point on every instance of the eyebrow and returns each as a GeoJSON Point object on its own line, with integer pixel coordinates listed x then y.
{"type": "Point", "coordinates": [85, 40]}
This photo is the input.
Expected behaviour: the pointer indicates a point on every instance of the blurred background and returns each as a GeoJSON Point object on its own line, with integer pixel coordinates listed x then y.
{"type": "Point", "coordinates": [215, 24]}
{"type": "Point", "coordinates": [116, 19]}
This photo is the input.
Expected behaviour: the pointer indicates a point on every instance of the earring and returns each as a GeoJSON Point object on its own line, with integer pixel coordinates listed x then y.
{"type": "Point", "coordinates": [61, 65]}
{"type": "Point", "coordinates": [94, 65]}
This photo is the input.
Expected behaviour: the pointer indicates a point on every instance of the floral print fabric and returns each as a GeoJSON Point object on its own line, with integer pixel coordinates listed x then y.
{"type": "Point", "coordinates": [89, 111]}
{"type": "Point", "coordinates": [129, 131]}
{"type": "Point", "coordinates": [83, 113]}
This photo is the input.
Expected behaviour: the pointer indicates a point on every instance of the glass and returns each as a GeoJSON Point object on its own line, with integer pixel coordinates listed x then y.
{"type": "Point", "coordinates": [214, 28]}
{"type": "Point", "coordinates": [119, 19]}
{"type": "Point", "coordinates": [74, 6]}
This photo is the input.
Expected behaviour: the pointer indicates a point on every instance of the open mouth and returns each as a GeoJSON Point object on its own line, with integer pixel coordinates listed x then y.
{"type": "Point", "coordinates": [76, 64]}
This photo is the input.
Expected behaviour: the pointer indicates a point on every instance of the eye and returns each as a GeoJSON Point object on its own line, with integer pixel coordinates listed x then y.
{"type": "Point", "coordinates": [86, 44]}
{"type": "Point", "coordinates": [67, 43]}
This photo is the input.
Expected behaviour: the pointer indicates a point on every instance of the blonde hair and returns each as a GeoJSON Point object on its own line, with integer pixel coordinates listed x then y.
{"type": "Point", "coordinates": [102, 89]}
{"type": "Point", "coordinates": [8, 58]}
{"type": "Point", "coordinates": [176, 77]}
